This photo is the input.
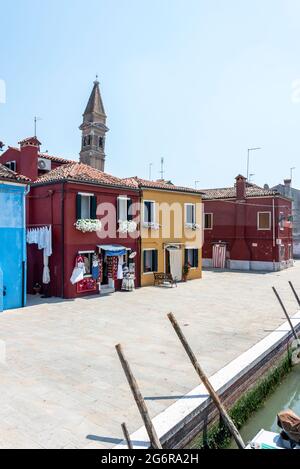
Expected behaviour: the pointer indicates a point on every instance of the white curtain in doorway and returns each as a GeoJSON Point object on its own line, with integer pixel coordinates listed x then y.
{"type": "Point", "coordinates": [176, 263]}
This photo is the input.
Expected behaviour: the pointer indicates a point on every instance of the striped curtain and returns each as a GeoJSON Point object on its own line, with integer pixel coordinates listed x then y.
{"type": "Point", "coordinates": [219, 256]}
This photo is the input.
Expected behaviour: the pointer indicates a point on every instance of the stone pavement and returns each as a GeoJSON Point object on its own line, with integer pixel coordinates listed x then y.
{"type": "Point", "coordinates": [62, 385]}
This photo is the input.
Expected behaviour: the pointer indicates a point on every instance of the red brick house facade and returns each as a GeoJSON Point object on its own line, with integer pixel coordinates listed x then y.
{"type": "Point", "coordinates": [58, 195]}
{"type": "Point", "coordinates": [251, 226]}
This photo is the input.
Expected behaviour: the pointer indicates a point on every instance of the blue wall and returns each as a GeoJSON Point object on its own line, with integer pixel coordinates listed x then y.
{"type": "Point", "coordinates": [13, 244]}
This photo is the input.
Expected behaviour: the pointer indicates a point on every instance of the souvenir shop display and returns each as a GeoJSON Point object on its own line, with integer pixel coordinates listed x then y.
{"type": "Point", "coordinates": [112, 267]}
{"type": "Point", "coordinates": [128, 277]}
{"type": "Point", "coordinates": [86, 282]}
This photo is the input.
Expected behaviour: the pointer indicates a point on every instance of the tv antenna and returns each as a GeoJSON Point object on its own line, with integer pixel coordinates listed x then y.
{"type": "Point", "coordinates": [36, 119]}
{"type": "Point", "coordinates": [162, 168]}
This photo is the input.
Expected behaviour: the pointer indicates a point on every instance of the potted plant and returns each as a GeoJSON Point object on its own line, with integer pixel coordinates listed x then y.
{"type": "Point", "coordinates": [37, 288]}
{"type": "Point", "coordinates": [185, 272]}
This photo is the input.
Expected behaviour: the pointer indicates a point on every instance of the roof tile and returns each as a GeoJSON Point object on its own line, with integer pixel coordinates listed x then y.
{"type": "Point", "coordinates": [161, 185]}
{"type": "Point", "coordinates": [79, 172]}
{"type": "Point", "coordinates": [252, 190]}
{"type": "Point", "coordinates": [8, 174]}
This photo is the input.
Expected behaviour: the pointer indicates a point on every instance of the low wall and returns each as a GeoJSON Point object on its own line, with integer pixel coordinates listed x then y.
{"type": "Point", "coordinates": [180, 423]}
{"type": "Point", "coordinates": [252, 265]}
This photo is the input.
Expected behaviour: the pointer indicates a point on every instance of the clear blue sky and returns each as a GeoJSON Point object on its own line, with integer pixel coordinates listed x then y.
{"type": "Point", "coordinates": [195, 81]}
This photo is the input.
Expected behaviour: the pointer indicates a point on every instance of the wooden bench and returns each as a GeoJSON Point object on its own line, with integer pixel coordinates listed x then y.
{"type": "Point", "coordinates": [160, 278]}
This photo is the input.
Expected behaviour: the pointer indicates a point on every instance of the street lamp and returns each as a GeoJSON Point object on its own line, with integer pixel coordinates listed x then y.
{"type": "Point", "coordinates": [248, 159]}
{"type": "Point", "coordinates": [292, 170]}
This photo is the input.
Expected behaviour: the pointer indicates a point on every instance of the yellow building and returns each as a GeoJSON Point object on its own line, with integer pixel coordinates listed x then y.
{"type": "Point", "coordinates": [171, 230]}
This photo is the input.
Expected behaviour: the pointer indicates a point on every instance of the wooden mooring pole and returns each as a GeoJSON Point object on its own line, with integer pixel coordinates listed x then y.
{"type": "Point", "coordinates": [226, 419]}
{"type": "Point", "coordinates": [127, 436]}
{"type": "Point", "coordinates": [154, 440]}
{"type": "Point", "coordinates": [295, 293]}
{"type": "Point", "coordinates": [286, 315]}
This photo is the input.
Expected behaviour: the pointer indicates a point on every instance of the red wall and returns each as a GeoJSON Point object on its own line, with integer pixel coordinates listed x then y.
{"type": "Point", "coordinates": [46, 208]}
{"type": "Point", "coordinates": [236, 224]}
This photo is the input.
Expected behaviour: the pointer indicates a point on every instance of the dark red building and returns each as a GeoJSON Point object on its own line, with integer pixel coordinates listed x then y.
{"type": "Point", "coordinates": [63, 193]}
{"type": "Point", "coordinates": [88, 213]}
{"type": "Point", "coordinates": [247, 227]}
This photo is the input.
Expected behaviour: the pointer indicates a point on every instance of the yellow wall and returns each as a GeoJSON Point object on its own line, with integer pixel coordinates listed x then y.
{"type": "Point", "coordinates": [157, 239]}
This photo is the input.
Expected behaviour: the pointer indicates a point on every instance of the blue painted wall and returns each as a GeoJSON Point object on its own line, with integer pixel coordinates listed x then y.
{"type": "Point", "coordinates": [13, 245]}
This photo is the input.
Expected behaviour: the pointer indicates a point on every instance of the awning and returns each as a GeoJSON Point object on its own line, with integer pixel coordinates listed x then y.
{"type": "Point", "coordinates": [113, 249]}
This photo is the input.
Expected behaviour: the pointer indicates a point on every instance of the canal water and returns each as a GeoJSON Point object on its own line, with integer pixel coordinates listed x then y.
{"type": "Point", "coordinates": [286, 396]}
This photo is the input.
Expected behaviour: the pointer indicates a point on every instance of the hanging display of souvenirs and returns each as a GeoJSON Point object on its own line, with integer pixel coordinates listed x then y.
{"type": "Point", "coordinates": [86, 283]}
{"type": "Point", "coordinates": [112, 267]}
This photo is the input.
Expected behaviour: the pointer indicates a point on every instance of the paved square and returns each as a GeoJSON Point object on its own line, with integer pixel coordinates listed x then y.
{"type": "Point", "coordinates": [62, 385]}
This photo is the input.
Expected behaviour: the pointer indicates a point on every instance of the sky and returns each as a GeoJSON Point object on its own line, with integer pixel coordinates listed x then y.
{"type": "Point", "coordinates": [195, 82]}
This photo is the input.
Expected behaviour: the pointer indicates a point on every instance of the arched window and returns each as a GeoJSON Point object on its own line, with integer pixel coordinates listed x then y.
{"type": "Point", "coordinates": [101, 142]}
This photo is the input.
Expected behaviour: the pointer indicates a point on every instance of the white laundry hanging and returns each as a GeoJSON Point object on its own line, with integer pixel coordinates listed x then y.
{"type": "Point", "coordinates": [43, 238]}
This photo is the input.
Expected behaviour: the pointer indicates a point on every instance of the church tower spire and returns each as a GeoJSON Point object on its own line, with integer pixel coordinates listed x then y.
{"type": "Point", "coordinates": [94, 130]}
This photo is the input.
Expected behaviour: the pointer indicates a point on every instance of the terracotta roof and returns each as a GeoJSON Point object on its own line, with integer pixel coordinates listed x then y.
{"type": "Point", "coordinates": [161, 185]}
{"type": "Point", "coordinates": [252, 190]}
{"type": "Point", "coordinates": [79, 172]}
{"type": "Point", "coordinates": [30, 139]}
{"type": "Point", "coordinates": [55, 159]}
{"type": "Point", "coordinates": [8, 174]}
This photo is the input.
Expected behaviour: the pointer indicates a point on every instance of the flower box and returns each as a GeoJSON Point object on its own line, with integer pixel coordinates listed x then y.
{"type": "Point", "coordinates": [126, 226]}
{"type": "Point", "coordinates": [88, 226]}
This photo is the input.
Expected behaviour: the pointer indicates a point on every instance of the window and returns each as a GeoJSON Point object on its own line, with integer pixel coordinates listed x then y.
{"type": "Point", "coordinates": [86, 206]}
{"type": "Point", "coordinates": [264, 220]}
{"type": "Point", "coordinates": [101, 142]}
{"type": "Point", "coordinates": [190, 214]}
{"type": "Point", "coordinates": [150, 260]}
{"type": "Point", "coordinates": [192, 257]}
{"type": "Point", "coordinates": [282, 252]}
{"type": "Point", "coordinates": [11, 165]}
{"type": "Point", "coordinates": [149, 211]}
{"type": "Point", "coordinates": [124, 209]}
{"type": "Point", "coordinates": [88, 262]}
{"type": "Point", "coordinates": [208, 221]}
{"type": "Point", "coordinates": [84, 141]}
{"type": "Point", "coordinates": [281, 220]}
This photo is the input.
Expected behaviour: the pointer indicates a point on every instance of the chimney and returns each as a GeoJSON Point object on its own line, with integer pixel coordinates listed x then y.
{"type": "Point", "coordinates": [240, 187]}
{"type": "Point", "coordinates": [30, 148]}
{"type": "Point", "coordinates": [287, 183]}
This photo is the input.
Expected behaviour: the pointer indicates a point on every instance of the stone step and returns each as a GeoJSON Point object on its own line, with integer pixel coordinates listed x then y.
{"type": "Point", "coordinates": [107, 290]}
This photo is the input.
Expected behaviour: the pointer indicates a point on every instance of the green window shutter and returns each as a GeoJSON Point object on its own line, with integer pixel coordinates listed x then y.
{"type": "Point", "coordinates": [118, 210]}
{"type": "Point", "coordinates": [185, 256]}
{"type": "Point", "coordinates": [78, 207]}
{"type": "Point", "coordinates": [93, 207]}
{"type": "Point", "coordinates": [129, 213]}
{"type": "Point", "coordinates": [155, 260]}
{"type": "Point", "coordinates": [196, 258]}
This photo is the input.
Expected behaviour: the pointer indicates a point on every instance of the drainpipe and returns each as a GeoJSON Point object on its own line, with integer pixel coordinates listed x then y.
{"type": "Point", "coordinates": [63, 239]}
{"type": "Point", "coordinates": [274, 236]}
{"type": "Point", "coordinates": [24, 270]}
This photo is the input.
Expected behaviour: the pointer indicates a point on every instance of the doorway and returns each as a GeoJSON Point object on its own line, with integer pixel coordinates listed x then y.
{"type": "Point", "coordinates": [174, 262]}
{"type": "Point", "coordinates": [219, 256]}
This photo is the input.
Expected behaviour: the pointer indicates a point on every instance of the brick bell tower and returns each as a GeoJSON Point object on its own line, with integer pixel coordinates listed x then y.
{"type": "Point", "coordinates": [93, 131]}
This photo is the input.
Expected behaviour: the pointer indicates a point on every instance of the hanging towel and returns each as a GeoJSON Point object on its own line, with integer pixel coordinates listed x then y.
{"type": "Point", "coordinates": [46, 271]}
